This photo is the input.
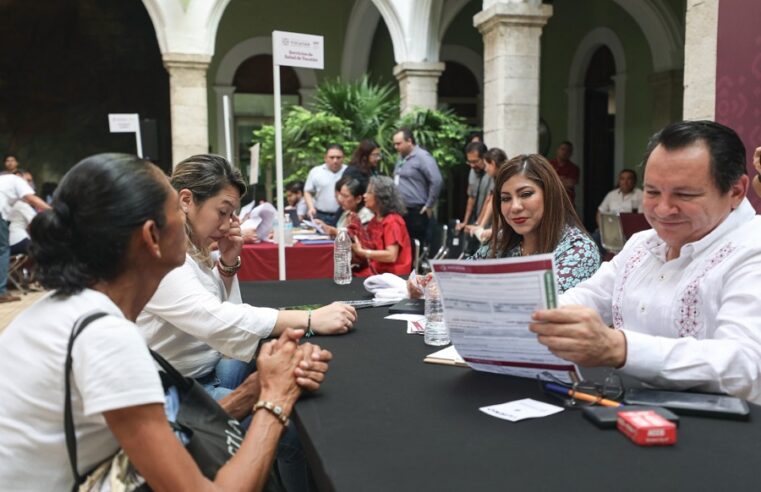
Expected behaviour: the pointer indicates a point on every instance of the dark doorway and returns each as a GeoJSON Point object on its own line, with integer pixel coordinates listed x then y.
{"type": "Point", "coordinates": [599, 140]}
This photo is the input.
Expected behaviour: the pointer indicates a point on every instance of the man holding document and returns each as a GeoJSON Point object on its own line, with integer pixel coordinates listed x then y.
{"type": "Point", "coordinates": [683, 297]}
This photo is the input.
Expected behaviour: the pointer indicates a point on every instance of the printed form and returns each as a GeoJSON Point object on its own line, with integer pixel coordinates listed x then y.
{"type": "Point", "coordinates": [488, 306]}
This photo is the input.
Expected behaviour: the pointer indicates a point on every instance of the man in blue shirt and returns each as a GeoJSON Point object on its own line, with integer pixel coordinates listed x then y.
{"type": "Point", "coordinates": [419, 181]}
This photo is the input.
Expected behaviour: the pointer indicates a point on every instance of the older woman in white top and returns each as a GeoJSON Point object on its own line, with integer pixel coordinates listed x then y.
{"type": "Point", "coordinates": [115, 230]}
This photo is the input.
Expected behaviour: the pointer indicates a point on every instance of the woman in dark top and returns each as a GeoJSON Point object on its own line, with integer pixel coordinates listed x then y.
{"type": "Point", "coordinates": [364, 161]}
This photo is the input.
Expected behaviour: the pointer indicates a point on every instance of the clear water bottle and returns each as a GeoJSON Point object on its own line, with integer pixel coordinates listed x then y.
{"type": "Point", "coordinates": [288, 230]}
{"type": "Point", "coordinates": [342, 258]}
{"type": "Point", "coordinates": [436, 332]}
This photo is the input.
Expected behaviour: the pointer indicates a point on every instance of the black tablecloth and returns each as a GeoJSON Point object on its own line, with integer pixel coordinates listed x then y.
{"type": "Point", "coordinates": [384, 420]}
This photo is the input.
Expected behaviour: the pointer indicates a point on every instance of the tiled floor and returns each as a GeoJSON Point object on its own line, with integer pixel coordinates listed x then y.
{"type": "Point", "coordinates": [9, 310]}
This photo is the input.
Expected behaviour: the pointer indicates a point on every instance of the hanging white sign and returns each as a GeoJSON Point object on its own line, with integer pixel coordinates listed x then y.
{"type": "Point", "coordinates": [291, 49]}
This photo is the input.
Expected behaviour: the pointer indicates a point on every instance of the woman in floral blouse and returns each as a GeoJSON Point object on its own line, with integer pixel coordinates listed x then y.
{"type": "Point", "coordinates": [534, 215]}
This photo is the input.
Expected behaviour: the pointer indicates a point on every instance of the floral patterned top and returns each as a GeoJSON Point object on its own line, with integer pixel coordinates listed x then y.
{"type": "Point", "coordinates": [576, 257]}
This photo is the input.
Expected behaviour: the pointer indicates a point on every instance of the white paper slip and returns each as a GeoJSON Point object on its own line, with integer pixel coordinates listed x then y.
{"type": "Point", "coordinates": [406, 317]}
{"type": "Point", "coordinates": [446, 357]}
{"type": "Point", "coordinates": [449, 353]}
{"type": "Point", "coordinates": [521, 410]}
{"type": "Point", "coordinates": [488, 306]}
{"type": "Point", "coordinates": [416, 327]}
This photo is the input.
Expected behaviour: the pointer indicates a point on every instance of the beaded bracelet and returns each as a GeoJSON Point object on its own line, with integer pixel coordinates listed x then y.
{"type": "Point", "coordinates": [228, 271]}
{"type": "Point", "coordinates": [275, 410]}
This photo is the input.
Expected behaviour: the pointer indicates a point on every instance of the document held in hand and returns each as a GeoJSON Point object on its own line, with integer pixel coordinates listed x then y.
{"type": "Point", "coordinates": [488, 306]}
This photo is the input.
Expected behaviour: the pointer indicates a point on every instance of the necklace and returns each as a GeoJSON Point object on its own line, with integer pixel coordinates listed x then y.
{"type": "Point", "coordinates": [524, 253]}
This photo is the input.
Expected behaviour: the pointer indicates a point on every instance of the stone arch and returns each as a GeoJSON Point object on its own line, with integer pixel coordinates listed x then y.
{"type": "Point", "coordinates": [360, 32]}
{"type": "Point", "coordinates": [223, 79]}
{"type": "Point", "coordinates": [601, 36]}
{"type": "Point", "coordinates": [661, 30]}
{"type": "Point", "coordinates": [172, 24]}
{"type": "Point", "coordinates": [450, 10]}
{"type": "Point", "coordinates": [466, 57]}
{"type": "Point", "coordinates": [395, 28]}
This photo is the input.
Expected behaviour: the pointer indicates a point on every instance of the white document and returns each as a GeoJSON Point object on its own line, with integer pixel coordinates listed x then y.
{"type": "Point", "coordinates": [406, 317]}
{"type": "Point", "coordinates": [314, 225]}
{"type": "Point", "coordinates": [521, 410]}
{"type": "Point", "coordinates": [488, 306]}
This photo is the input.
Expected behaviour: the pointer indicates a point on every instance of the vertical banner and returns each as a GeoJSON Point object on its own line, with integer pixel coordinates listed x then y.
{"type": "Point", "coordinates": [289, 49]}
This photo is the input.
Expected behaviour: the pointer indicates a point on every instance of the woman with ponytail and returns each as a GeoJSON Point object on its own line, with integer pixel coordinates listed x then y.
{"type": "Point", "coordinates": [115, 230]}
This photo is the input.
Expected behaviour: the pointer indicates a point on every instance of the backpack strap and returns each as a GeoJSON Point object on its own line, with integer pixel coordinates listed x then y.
{"type": "Point", "coordinates": [68, 418]}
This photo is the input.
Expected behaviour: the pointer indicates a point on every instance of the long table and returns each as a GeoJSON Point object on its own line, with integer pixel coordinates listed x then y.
{"type": "Point", "coordinates": [259, 261]}
{"type": "Point", "coordinates": [384, 420]}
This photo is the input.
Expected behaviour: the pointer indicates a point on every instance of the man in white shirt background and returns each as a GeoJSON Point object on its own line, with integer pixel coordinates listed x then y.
{"type": "Point", "coordinates": [12, 189]}
{"type": "Point", "coordinates": [319, 191]}
{"type": "Point", "coordinates": [682, 297]}
{"type": "Point", "coordinates": [626, 198]}
{"type": "Point", "coordinates": [20, 217]}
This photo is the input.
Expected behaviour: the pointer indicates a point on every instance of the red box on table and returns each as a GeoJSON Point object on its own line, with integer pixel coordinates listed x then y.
{"type": "Point", "coordinates": [646, 428]}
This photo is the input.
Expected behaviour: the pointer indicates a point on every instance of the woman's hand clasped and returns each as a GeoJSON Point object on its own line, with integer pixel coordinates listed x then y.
{"type": "Point", "coordinates": [310, 372]}
{"type": "Point", "coordinates": [333, 319]}
{"type": "Point", "coordinates": [277, 364]}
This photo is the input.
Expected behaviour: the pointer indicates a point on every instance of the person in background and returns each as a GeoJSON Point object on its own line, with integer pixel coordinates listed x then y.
{"type": "Point", "coordinates": [682, 297]}
{"type": "Point", "coordinates": [354, 214]}
{"type": "Point", "coordinates": [480, 185]}
{"type": "Point", "coordinates": [626, 198]}
{"type": "Point", "coordinates": [535, 216]}
{"type": "Point", "coordinates": [12, 190]}
{"type": "Point", "coordinates": [10, 164]}
{"type": "Point", "coordinates": [384, 241]}
{"type": "Point", "coordinates": [419, 181]}
{"type": "Point", "coordinates": [20, 217]}
{"type": "Point", "coordinates": [494, 159]}
{"type": "Point", "coordinates": [364, 161]}
{"type": "Point", "coordinates": [321, 181]}
{"type": "Point", "coordinates": [294, 196]}
{"type": "Point", "coordinates": [115, 230]}
{"type": "Point", "coordinates": [567, 170]}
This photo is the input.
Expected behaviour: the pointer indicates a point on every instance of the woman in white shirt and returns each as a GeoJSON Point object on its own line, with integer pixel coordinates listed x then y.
{"type": "Point", "coordinates": [114, 231]}
{"type": "Point", "coordinates": [196, 315]}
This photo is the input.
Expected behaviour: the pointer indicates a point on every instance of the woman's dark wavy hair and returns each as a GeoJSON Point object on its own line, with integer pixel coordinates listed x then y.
{"type": "Point", "coordinates": [361, 156]}
{"type": "Point", "coordinates": [97, 207]}
{"type": "Point", "coordinates": [558, 209]}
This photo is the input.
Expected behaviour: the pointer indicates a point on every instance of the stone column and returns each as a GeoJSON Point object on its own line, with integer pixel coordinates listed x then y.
{"type": "Point", "coordinates": [511, 33]}
{"type": "Point", "coordinates": [187, 100]}
{"type": "Point", "coordinates": [667, 97]}
{"type": "Point", "coordinates": [418, 84]}
{"type": "Point", "coordinates": [700, 44]}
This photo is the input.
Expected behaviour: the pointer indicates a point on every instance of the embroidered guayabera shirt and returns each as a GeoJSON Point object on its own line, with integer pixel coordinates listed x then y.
{"type": "Point", "coordinates": [692, 322]}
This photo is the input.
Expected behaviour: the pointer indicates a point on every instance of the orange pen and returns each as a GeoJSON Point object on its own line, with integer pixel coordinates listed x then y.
{"type": "Point", "coordinates": [578, 395]}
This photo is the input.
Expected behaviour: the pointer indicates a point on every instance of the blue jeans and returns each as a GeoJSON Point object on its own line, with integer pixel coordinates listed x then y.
{"type": "Point", "coordinates": [5, 256]}
{"type": "Point", "coordinates": [291, 462]}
